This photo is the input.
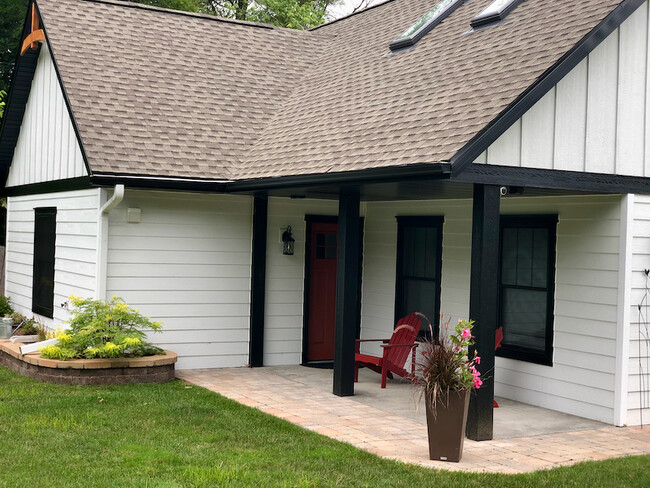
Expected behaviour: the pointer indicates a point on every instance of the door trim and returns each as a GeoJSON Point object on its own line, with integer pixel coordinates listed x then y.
{"type": "Point", "coordinates": [322, 219]}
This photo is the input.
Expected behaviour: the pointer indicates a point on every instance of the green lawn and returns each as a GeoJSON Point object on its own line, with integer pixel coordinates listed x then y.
{"type": "Point", "coordinates": [170, 435]}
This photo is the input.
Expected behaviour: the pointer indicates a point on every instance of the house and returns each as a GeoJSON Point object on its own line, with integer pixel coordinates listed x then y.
{"type": "Point", "coordinates": [491, 162]}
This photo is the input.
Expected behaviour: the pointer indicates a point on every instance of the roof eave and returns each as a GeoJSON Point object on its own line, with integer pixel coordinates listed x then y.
{"type": "Point", "coordinates": [551, 77]}
{"type": "Point", "coordinates": [440, 170]}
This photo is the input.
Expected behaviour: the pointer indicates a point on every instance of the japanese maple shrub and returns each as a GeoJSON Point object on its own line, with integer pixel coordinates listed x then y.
{"type": "Point", "coordinates": [103, 329]}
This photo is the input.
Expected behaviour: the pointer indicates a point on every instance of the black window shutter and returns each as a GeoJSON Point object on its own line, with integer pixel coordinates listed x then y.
{"type": "Point", "coordinates": [44, 250]}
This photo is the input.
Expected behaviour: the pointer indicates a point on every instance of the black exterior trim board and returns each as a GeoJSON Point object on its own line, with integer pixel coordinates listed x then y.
{"type": "Point", "coordinates": [159, 183]}
{"type": "Point", "coordinates": [81, 183]}
{"type": "Point", "coordinates": [552, 179]}
{"type": "Point", "coordinates": [537, 90]}
{"type": "Point", "coordinates": [364, 176]}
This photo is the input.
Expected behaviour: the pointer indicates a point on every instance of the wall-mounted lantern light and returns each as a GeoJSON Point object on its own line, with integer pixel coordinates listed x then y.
{"type": "Point", "coordinates": [287, 242]}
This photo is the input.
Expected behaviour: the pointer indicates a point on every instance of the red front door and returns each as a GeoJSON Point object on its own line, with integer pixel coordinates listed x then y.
{"type": "Point", "coordinates": [322, 292]}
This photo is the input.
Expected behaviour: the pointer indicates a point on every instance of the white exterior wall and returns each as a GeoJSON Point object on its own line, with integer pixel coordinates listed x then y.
{"type": "Point", "coordinates": [285, 278]}
{"type": "Point", "coordinates": [47, 147]}
{"type": "Point", "coordinates": [638, 366]}
{"type": "Point", "coordinates": [187, 264]}
{"type": "Point", "coordinates": [76, 249]}
{"type": "Point", "coordinates": [582, 379]}
{"type": "Point", "coordinates": [596, 119]}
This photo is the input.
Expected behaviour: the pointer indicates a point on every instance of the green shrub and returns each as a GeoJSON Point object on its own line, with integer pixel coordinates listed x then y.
{"type": "Point", "coordinates": [103, 329]}
{"type": "Point", "coordinates": [5, 306]}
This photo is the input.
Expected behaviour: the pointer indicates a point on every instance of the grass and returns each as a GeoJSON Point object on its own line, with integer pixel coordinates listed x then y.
{"type": "Point", "coordinates": [169, 435]}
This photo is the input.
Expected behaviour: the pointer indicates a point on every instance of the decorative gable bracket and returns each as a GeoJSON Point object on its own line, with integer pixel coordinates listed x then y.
{"type": "Point", "coordinates": [37, 34]}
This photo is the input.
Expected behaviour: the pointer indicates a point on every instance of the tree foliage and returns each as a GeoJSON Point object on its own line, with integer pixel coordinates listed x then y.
{"type": "Point", "coordinates": [12, 16]}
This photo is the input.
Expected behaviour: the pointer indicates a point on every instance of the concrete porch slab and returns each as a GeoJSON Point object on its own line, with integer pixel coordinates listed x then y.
{"type": "Point", "coordinates": [387, 423]}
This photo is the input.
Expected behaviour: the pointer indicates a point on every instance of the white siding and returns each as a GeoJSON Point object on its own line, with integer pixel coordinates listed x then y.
{"type": "Point", "coordinates": [596, 119]}
{"type": "Point", "coordinates": [581, 380]}
{"type": "Point", "coordinates": [639, 332]}
{"type": "Point", "coordinates": [47, 147]}
{"type": "Point", "coordinates": [285, 277]}
{"type": "Point", "coordinates": [186, 264]}
{"type": "Point", "coordinates": [76, 248]}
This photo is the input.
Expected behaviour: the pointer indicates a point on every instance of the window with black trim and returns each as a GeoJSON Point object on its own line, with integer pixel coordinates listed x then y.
{"type": "Point", "coordinates": [44, 249]}
{"type": "Point", "coordinates": [419, 262]}
{"type": "Point", "coordinates": [526, 287]}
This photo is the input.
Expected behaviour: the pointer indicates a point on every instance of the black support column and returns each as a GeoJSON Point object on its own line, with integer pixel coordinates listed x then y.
{"type": "Point", "coordinates": [483, 305]}
{"type": "Point", "coordinates": [347, 292]}
{"type": "Point", "coordinates": [258, 281]}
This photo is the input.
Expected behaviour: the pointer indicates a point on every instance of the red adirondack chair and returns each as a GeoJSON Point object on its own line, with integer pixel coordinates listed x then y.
{"type": "Point", "coordinates": [395, 351]}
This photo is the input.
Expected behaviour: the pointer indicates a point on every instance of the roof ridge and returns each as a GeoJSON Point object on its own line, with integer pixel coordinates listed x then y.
{"type": "Point", "coordinates": [326, 24]}
{"type": "Point", "coordinates": [214, 18]}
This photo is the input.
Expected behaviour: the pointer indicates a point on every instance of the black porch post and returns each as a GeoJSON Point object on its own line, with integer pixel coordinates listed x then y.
{"type": "Point", "coordinates": [483, 306]}
{"type": "Point", "coordinates": [347, 292]}
{"type": "Point", "coordinates": [258, 281]}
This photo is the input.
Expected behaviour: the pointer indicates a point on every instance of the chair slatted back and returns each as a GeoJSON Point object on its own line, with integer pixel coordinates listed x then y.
{"type": "Point", "coordinates": [405, 333]}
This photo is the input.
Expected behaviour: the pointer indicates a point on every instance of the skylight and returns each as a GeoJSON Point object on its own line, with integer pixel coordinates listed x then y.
{"type": "Point", "coordinates": [427, 22]}
{"type": "Point", "coordinates": [495, 12]}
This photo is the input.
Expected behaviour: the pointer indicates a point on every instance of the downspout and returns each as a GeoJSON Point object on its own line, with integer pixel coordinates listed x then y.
{"type": "Point", "coordinates": [102, 239]}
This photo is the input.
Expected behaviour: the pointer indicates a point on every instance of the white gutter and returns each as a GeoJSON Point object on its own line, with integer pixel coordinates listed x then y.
{"type": "Point", "coordinates": [102, 239]}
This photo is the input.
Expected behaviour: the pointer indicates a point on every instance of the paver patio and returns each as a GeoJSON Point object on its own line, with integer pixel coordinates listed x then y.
{"type": "Point", "coordinates": [299, 395]}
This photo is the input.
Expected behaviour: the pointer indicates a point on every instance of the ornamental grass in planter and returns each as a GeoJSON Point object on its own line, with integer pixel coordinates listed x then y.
{"type": "Point", "coordinates": [445, 376]}
{"type": "Point", "coordinates": [103, 329]}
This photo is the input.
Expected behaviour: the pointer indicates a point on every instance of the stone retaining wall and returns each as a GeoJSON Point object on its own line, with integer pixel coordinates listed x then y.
{"type": "Point", "coordinates": [150, 369]}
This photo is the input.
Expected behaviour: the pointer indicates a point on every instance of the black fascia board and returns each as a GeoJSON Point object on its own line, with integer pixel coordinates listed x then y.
{"type": "Point", "coordinates": [490, 133]}
{"type": "Point", "coordinates": [158, 183]}
{"type": "Point", "coordinates": [364, 176]}
{"type": "Point", "coordinates": [21, 85]}
{"type": "Point", "coordinates": [411, 40]}
{"type": "Point", "coordinates": [552, 179]}
{"type": "Point", "coordinates": [70, 184]}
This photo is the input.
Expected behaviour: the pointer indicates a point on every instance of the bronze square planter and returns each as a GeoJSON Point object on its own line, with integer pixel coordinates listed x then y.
{"type": "Point", "coordinates": [446, 427]}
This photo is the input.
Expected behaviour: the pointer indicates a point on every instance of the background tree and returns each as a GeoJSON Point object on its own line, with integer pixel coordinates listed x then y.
{"type": "Point", "coordinates": [12, 16]}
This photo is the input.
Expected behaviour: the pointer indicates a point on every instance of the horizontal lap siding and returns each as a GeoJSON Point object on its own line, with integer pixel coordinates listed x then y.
{"type": "Point", "coordinates": [285, 276]}
{"type": "Point", "coordinates": [581, 380]}
{"type": "Point", "coordinates": [76, 248]}
{"type": "Point", "coordinates": [639, 352]}
{"type": "Point", "coordinates": [186, 264]}
{"type": "Point", "coordinates": [47, 148]}
{"type": "Point", "coordinates": [596, 119]}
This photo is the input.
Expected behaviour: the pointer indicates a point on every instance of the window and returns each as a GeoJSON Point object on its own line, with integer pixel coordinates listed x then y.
{"type": "Point", "coordinates": [419, 259]}
{"type": "Point", "coordinates": [495, 12]}
{"type": "Point", "coordinates": [44, 247]}
{"type": "Point", "coordinates": [526, 287]}
{"type": "Point", "coordinates": [427, 22]}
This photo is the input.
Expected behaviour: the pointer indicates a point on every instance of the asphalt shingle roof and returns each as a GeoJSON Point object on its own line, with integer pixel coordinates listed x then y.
{"type": "Point", "coordinates": [167, 94]}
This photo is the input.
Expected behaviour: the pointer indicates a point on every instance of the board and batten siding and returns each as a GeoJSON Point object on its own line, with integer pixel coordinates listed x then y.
{"type": "Point", "coordinates": [638, 384]}
{"type": "Point", "coordinates": [596, 119]}
{"type": "Point", "coordinates": [47, 148]}
{"type": "Point", "coordinates": [285, 278]}
{"type": "Point", "coordinates": [75, 254]}
{"type": "Point", "coordinates": [582, 378]}
{"type": "Point", "coordinates": [186, 264]}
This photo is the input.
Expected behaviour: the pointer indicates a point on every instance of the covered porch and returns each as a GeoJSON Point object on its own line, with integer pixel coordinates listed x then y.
{"type": "Point", "coordinates": [583, 322]}
{"type": "Point", "coordinates": [388, 423]}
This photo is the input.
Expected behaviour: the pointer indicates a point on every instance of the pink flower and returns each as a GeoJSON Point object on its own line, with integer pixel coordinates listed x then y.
{"type": "Point", "coordinates": [466, 334]}
{"type": "Point", "coordinates": [477, 359]}
{"type": "Point", "coordinates": [477, 383]}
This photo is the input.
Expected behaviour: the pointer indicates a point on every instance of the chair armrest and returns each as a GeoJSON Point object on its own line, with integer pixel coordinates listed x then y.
{"type": "Point", "coordinates": [372, 340]}
{"type": "Point", "coordinates": [414, 345]}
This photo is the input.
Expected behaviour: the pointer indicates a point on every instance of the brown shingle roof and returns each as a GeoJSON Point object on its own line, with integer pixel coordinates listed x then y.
{"type": "Point", "coordinates": [160, 93]}
{"type": "Point", "coordinates": [167, 94]}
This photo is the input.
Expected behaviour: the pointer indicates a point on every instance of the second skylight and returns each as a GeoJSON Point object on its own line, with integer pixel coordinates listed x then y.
{"type": "Point", "coordinates": [427, 22]}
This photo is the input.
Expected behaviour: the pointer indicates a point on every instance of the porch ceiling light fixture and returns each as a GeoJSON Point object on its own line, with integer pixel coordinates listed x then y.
{"type": "Point", "coordinates": [287, 242]}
